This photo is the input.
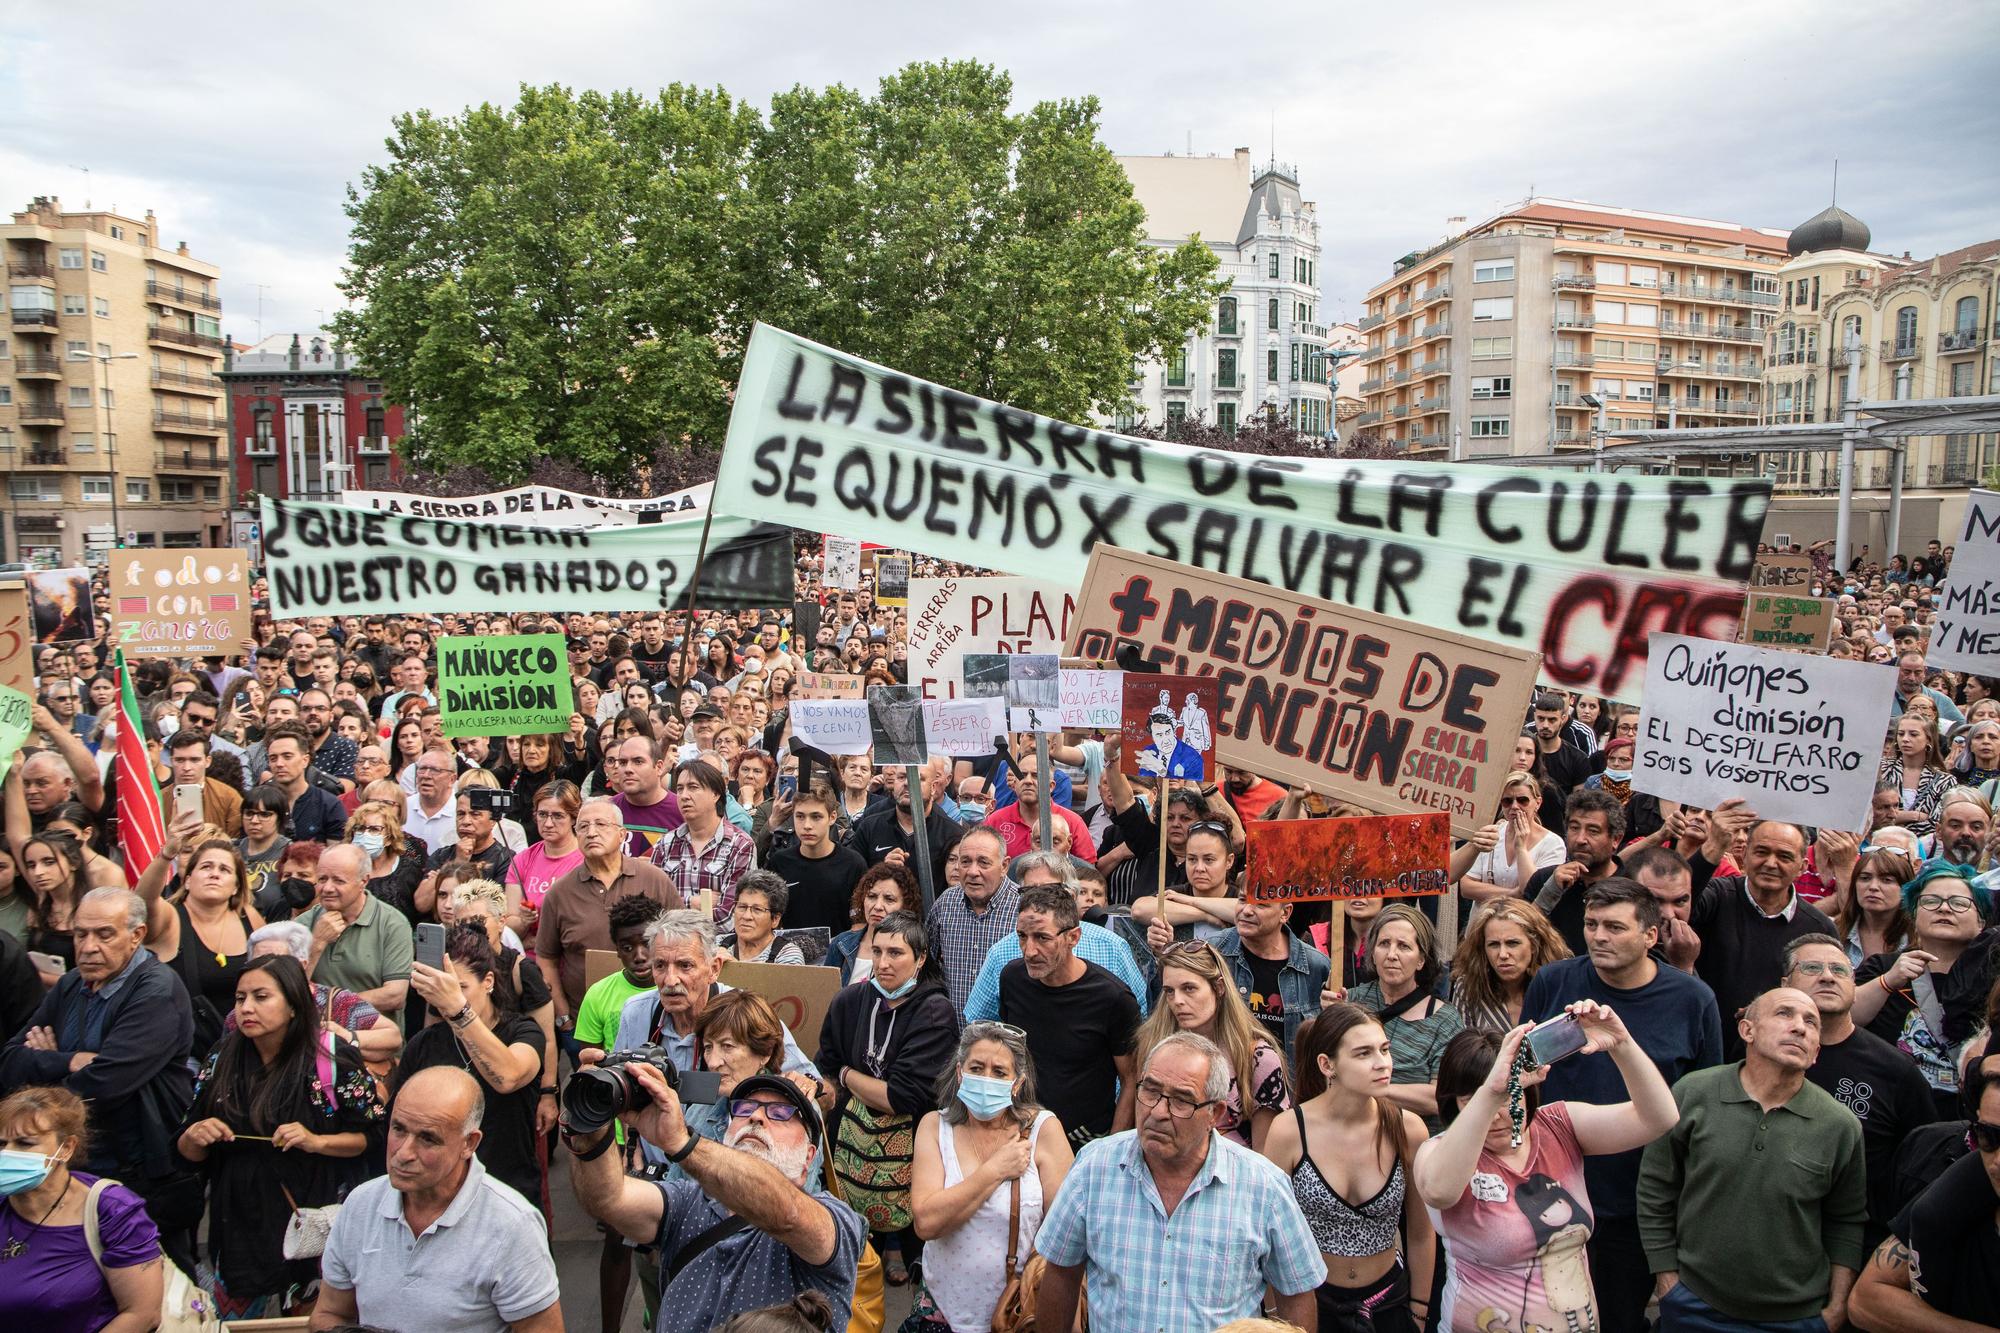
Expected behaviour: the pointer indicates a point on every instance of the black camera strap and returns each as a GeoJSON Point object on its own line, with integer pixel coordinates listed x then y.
{"type": "Point", "coordinates": [699, 1246]}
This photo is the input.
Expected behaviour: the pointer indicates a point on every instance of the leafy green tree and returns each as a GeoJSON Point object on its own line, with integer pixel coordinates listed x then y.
{"type": "Point", "coordinates": [575, 278]}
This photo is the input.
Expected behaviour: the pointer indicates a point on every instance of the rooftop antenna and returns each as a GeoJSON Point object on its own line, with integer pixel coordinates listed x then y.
{"type": "Point", "coordinates": [86, 182]}
{"type": "Point", "coordinates": [261, 289]}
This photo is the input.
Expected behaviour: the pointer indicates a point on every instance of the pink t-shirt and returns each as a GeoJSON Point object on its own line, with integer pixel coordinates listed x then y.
{"type": "Point", "coordinates": [1514, 1243]}
{"type": "Point", "coordinates": [533, 871]}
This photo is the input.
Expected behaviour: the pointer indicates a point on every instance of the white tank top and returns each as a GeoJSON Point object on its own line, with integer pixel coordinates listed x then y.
{"type": "Point", "coordinates": [966, 1270]}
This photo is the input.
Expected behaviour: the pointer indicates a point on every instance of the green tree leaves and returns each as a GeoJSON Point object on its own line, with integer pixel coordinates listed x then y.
{"type": "Point", "coordinates": [574, 278]}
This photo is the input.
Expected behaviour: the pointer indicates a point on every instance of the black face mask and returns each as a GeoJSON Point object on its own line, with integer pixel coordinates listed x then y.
{"type": "Point", "coordinates": [298, 892]}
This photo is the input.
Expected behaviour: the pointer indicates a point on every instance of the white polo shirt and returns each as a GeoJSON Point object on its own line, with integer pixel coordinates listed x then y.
{"type": "Point", "coordinates": [481, 1267]}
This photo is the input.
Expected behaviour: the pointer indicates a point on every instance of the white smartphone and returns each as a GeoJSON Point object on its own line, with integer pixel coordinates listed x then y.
{"type": "Point", "coordinates": [187, 799]}
{"type": "Point", "coordinates": [47, 962]}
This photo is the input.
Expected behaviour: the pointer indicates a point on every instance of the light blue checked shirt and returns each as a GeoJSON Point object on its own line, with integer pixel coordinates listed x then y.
{"type": "Point", "coordinates": [1236, 1230]}
{"type": "Point", "coordinates": [1096, 945]}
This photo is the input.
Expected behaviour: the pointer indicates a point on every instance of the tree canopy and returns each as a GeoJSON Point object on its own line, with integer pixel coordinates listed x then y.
{"type": "Point", "coordinates": [574, 278]}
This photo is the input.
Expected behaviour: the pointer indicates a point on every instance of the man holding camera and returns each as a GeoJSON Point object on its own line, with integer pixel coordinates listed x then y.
{"type": "Point", "coordinates": [479, 811]}
{"type": "Point", "coordinates": [740, 1232]}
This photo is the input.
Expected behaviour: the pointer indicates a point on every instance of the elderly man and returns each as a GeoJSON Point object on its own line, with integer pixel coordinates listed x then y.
{"type": "Point", "coordinates": [1910, 685]}
{"type": "Point", "coordinates": [1095, 944]}
{"type": "Point", "coordinates": [1020, 821]}
{"type": "Point", "coordinates": [1175, 1227]}
{"type": "Point", "coordinates": [1751, 1208]}
{"type": "Point", "coordinates": [371, 764]}
{"type": "Point", "coordinates": [116, 1031]}
{"type": "Point", "coordinates": [358, 941]}
{"type": "Point", "coordinates": [966, 922]}
{"type": "Point", "coordinates": [437, 1243]}
{"type": "Point", "coordinates": [741, 1231]}
{"type": "Point", "coordinates": [433, 819]}
{"type": "Point", "coordinates": [575, 913]}
{"type": "Point", "coordinates": [477, 828]}
{"type": "Point", "coordinates": [48, 780]}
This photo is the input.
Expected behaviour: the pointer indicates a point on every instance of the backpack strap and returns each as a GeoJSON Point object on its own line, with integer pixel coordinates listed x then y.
{"type": "Point", "coordinates": [91, 1234]}
{"type": "Point", "coordinates": [699, 1246]}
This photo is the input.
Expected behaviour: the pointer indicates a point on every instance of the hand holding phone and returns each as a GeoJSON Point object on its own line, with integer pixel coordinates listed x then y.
{"type": "Point", "coordinates": [429, 944]}
{"type": "Point", "coordinates": [1557, 1039]}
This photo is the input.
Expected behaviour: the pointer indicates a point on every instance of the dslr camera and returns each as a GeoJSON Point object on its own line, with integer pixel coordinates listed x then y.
{"type": "Point", "coordinates": [595, 1096]}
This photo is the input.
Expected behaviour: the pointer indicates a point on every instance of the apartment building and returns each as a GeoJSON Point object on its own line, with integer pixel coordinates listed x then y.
{"type": "Point", "coordinates": [111, 418]}
{"type": "Point", "coordinates": [1486, 344]}
{"type": "Point", "coordinates": [309, 423]}
{"type": "Point", "coordinates": [1264, 344]}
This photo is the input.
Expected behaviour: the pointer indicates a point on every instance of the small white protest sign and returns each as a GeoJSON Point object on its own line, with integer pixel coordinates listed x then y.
{"type": "Point", "coordinates": [1091, 699]}
{"type": "Point", "coordinates": [1965, 632]}
{"type": "Point", "coordinates": [837, 726]}
{"type": "Point", "coordinates": [963, 728]}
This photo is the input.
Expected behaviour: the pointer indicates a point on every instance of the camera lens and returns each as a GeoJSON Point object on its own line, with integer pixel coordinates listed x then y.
{"type": "Point", "coordinates": [593, 1098]}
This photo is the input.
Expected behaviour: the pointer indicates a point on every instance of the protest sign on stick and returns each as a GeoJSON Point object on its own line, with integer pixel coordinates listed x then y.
{"type": "Point", "coordinates": [1167, 726]}
{"type": "Point", "coordinates": [892, 579]}
{"type": "Point", "coordinates": [1390, 714]}
{"type": "Point", "coordinates": [963, 728]}
{"type": "Point", "coordinates": [501, 684]}
{"type": "Point", "coordinates": [1577, 568]}
{"type": "Point", "coordinates": [1965, 632]}
{"type": "Point", "coordinates": [60, 605]}
{"type": "Point", "coordinates": [1799, 737]}
{"type": "Point", "coordinates": [951, 618]}
{"type": "Point", "coordinates": [1034, 693]}
{"type": "Point", "coordinates": [1794, 573]}
{"type": "Point", "coordinates": [1780, 620]}
{"type": "Point", "coordinates": [180, 603]}
{"type": "Point", "coordinates": [826, 685]}
{"type": "Point", "coordinates": [1375, 856]}
{"type": "Point", "coordinates": [1092, 700]}
{"type": "Point", "coordinates": [837, 726]}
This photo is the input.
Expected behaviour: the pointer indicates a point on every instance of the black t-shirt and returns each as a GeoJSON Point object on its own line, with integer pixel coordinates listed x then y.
{"type": "Point", "coordinates": [508, 1147]}
{"type": "Point", "coordinates": [1267, 1006]}
{"type": "Point", "coordinates": [1567, 767]}
{"type": "Point", "coordinates": [822, 890]}
{"type": "Point", "coordinates": [1883, 1089]}
{"type": "Point", "coordinates": [1955, 1264]}
{"type": "Point", "coordinates": [1074, 1033]}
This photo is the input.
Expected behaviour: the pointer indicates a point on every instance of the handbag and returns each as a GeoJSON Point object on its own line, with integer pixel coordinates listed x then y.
{"type": "Point", "coordinates": [184, 1307]}
{"type": "Point", "coordinates": [307, 1229]}
{"type": "Point", "coordinates": [1015, 1311]}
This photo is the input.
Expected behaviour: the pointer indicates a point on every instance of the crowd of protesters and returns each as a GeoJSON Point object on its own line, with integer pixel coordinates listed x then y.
{"type": "Point", "coordinates": [236, 1080]}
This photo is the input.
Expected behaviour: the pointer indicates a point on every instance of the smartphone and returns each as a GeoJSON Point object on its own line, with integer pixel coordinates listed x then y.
{"type": "Point", "coordinates": [430, 944]}
{"type": "Point", "coordinates": [788, 784]}
{"type": "Point", "coordinates": [47, 962]}
{"type": "Point", "coordinates": [187, 799]}
{"type": "Point", "coordinates": [1556, 1039]}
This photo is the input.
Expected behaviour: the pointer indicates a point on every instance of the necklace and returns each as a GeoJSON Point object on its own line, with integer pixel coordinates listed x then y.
{"type": "Point", "coordinates": [17, 1247]}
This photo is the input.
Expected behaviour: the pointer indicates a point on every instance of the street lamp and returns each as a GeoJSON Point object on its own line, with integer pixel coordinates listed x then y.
{"type": "Point", "coordinates": [104, 360]}
{"type": "Point", "coordinates": [1596, 403]}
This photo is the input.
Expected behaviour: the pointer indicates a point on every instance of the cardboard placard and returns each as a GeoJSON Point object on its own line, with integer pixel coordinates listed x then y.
{"type": "Point", "coordinates": [1792, 572]}
{"type": "Point", "coordinates": [599, 964]}
{"type": "Point", "coordinates": [17, 658]}
{"type": "Point", "coordinates": [799, 994]}
{"type": "Point", "coordinates": [1780, 620]}
{"type": "Point", "coordinates": [1092, 700]}
{"type": "Point", "coordinates": [1034, 693]}
{"type": "Point", "coordinates": [1392, 715]}
{"type": "Point", "coordinates": [892, 579]}
{"type": "Point", "coordinates": [17, 719]}
{"type": "Point", "coordinates": [840, 563]}
{"type": "Point", "coordinates": [1799, 737]}
{"type": "Point", "coordinates": [1321, 860]}
{"type": "Point", "coordinates": [896, 724]}
{"type": "Point", "coordinates": [1167, 727]}
{"type": "Point", "coordinates": [953, 617]}
{"type": "Point", "coordinates": [60, 605]}
{"type": "Point", "coordinates": [837, 726]}
{"type": "Point", "coordinates": [504, 684]}
{"type": "Point", "coordinates": [1965, 633]}
{"type": "Point", "coordinates": [826, 685]}
{"type": "Point", "coordinates": [963, 728]}
{"type": "Point", "coordinates": [179, 603]}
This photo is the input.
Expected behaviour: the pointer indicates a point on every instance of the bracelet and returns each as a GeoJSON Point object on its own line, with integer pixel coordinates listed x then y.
{"type": "Point", "coordinates": [687, 1147]}
{"type": "Point", "coordinates": [549, 1091]}
{"type": "Point", "coordinates": [463, 1017]}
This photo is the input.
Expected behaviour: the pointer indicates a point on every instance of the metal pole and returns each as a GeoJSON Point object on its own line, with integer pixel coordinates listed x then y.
{"type": "Point", "coordinates": [913, 779]}
{"type": "Point", "coordinates": [1045, 780]}
{"type": "Point", "coordinates": [694, 585]}
{"type": "Point", "coordinates": [110, 447]}
{"type": "Point", "coordinates": [1843, 528]}
{"type": "Point", "coordinates": [1597, 443]}
{"type": "Point", "coordinates": [1896, 457]}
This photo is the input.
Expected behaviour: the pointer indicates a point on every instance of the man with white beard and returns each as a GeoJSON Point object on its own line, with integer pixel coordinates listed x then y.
{"type": "Point", "coordinates": [741, 1232]}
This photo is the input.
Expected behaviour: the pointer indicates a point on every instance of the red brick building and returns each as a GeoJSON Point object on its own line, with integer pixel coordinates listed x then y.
{"type": "Point", "coordinates": [306, 423]}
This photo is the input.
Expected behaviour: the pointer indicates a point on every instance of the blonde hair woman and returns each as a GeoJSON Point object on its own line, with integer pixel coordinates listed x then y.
{"type": "Point", "coordinates": [1504, 855]}
{"type": "Point", "coordinates": [1506, 943]}
{"type": "Point", "coordinates": [377, 829]}
{"type": "Point", "coordinates": [1198, 994]}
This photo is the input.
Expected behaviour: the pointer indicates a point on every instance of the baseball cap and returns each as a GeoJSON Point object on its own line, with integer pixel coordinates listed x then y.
{"type": "Point", "coordinates": [784, 1088]}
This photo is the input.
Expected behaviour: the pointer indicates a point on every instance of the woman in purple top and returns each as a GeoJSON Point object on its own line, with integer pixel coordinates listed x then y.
{"type": "Point", "coordinates": [48, 1279]}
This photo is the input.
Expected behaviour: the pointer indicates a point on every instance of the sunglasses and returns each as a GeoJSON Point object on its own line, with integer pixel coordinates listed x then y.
{"type": "Point", "coordinates": [1985, 1137]}
{"type": "Point", "coordinates": [1209, 826]}
{"type": "Point", "coordinates": [744, 1108]}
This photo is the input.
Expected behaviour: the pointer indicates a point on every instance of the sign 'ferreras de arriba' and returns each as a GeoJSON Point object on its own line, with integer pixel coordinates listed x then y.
{"type": "Point", "coordinates": [1579, 569]}
{"type": "Point", "coordinates": [1390, 714]}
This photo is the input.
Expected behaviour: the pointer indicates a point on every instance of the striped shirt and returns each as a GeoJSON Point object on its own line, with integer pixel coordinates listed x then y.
{"type": "Point", "coordinates": [962, 936]}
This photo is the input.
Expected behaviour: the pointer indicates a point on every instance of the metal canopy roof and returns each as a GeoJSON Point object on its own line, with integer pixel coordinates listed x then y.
{"type": "Point", "coordinates": [1883, 427]}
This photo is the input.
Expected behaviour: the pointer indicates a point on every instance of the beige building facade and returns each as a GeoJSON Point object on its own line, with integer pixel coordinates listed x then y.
{"type": "Point", "coordinates": [1486, 345]}
{"type": "Point", "coordinates": [112, 423]}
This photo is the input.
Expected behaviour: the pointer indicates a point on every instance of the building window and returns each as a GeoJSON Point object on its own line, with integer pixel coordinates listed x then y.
{"type": "Point", "coordinates": [211, 491]}
{"type": "Point", "coordinates": [1492, 428]}
{"type": "Point", "coordinates": [1225, 315]}
{"type": "Point", "coordinates": [1485, 349]}
{"type": "Point", "coordinates": [1961, 378]}
{"type": "Point", "coordinates": [137, 488]}
{"type": "Point", "coordinates": [1177, 367]}
{"type": "Point", "coordinates": [1493, 270]}
{"type": "Point", "coordinates": [69, 259]}
{"type": "Point", "coordinates": [1272, 311]}
{"type": "Point", "coordinates": [83, 442]}
{"type": "Point", "coordinates": [1295, 361]}
{"type": "Point", "coordinates": [1644, 275]}
{"type": "Point", "coordinates": [1493, 307]}
{"type": "Point", "coordinates": [208, 327]}
{"type": "Point", "coordinates": [1225, 418]}
{"type": "Point", "coordinates": [1274, 263]}
{"type": "Point", "coordinates": [1176, 414]}
{"type": "Point", "coordinates": [1965, 316]}
{"type": "Point", "coordinates": [102, 306]}
{"type": "Point", "coordinates": [1492, 386]}
{"type": "Point", "coordinates": [1811, 385]}
{"type": "Point", "coordinates": [117, 232]}
{"type": "Point", "coordinates": [1271, 365]}
{"type": "Point", "coordinates": [97, 490]}
{"type": "Point", "coordinates": [34, 488]}
{"type": "Point", "coordinates": [6, 395]}
{"type": "Point", "coordinates": [1640, 351]}
{"type": "Point", "coordinates": [79, 395]}
{"type": "Point", "coordinates": [72, 305]}
{"type": "Point", "coordinates": [97, 263]}
{"type": "Point", "coordinates": [1815, 295]}
{"type": "Point", "coordinates": [1225, 368]}
{"type": "Point", "coordinates": [1607, 388]}
{"type": "Point", "coordinates": [1906, 331]}
{"type": "Point", "coordinates": [1641, 392]}
{"type": "Point", "coordinates": [1644, 316]}
{"type": "Point", "coordinates": [373, 422]}
{"type": "Point", "coordinates": [104, 351]}
{"type": "Point", "coordinates": [1608, 312]}
{"type": "Point", "coordinates": [1610, 274]}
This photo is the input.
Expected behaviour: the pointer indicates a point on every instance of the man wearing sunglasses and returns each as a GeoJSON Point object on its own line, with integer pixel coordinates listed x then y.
{"type": "Point", "coordinates": [752, 1181]}
{"type": "Point", "coordinates": [1871, 1078]}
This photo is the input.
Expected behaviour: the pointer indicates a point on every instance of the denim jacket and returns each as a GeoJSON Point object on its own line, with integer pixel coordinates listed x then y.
{"type": "Point", "coordinates": [1299, 982]}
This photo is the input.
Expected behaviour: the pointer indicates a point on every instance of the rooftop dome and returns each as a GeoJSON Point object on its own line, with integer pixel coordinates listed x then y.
{"type": "Point", "coordinates": [1834, 229]}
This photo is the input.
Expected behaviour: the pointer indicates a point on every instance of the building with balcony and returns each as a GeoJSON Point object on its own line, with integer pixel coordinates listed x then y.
{"type": "Point", "coordinates": [1485, 344]}
{"type": "Point", "coordinates": [111, 415]}
{"type": "Point", "coordinates": [307, 423]}
{"type": "Point", "coordinates": [1264, 344]}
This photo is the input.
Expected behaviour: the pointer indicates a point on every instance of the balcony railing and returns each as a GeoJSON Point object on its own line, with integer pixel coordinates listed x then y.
{"type": "Point", "coordinates": [1429, 440]}
{"type": "Point", "coordinates": [1575, 322]}
{"type": "Point", "coordinates": [1399, 377]}
{"type": "Point", "coordinates": [1809, 357]}
{"type": "Point", "coordinates": [1227, 329]}
{"type": "Point", "coordinates": [1228, 381]}
{"type": "Point", "coordinates": [1895, 351]}
{"type": "Point", "coordinates": [189, 421]}
{"type": "Point", "coordinates": [1441, 292]}
{"type": "Point", "coordinates": [182, 337]}
{"type": "Point", "coordinates": [374, 444]}
{"type": "Point", "coordinates": [46, 457]}
{"type": "Point", "coordinates": [33, 413]}
{"type": "Point", "coordinates": [1573, 282]}
{"type": "Point", "coordinates": [174, 379]}
{"type": "Point", "coordinates": [187, 460]}
{"type": "Point", "coordinates": [1370, 386]}
{"type": "Point", "coordinates": [1704, 291]}
{"type": "Point", "coordinates": [1724, 370]}
{"type": "Point", "coordinates": [160, 291]}
{"type": "Point", "coordinates": [1564, 398]}
{"type": "Point", "coordinates": [1315, 331]}
{"type": "Point", "coordinates": [1400, 410]}
{"type": "Point", "coordinates": [1430, 331]}
{"type": "Point", "coordinates": [32, 319]}
{"type": "Point", "coordinates": [1737, 333]}
{"type": "Point", "coordinates": [1437, 365]}
{"type": "Point", "coordinates": [1368, 418]}
{"type": "Point", "coordinates": [1845, 358]}
{"type": "Point", "coordinates": [38, 365]}
{"type": "Point", "coordinates": [1426, 406]}
{"type": "Point", "coordinates": [1963, 340]}
{"type": "Point", "coordinates": [1570, 437]}
{"type": "Point", "coordinates": [30, 268]}
{"type": "Point", "coordinates": [1709, 407]}
{"type": "Point", "coordinates": [1401, 308]}
{"type": "Point", "coordinates": [1574, 359]}
{"type": "Point", "coordinates": [1371, 322]}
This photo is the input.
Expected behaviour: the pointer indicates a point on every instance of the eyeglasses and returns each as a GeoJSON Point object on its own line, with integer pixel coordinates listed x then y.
{"type": "Point", "coordinates": [745, 1107]}
{"type": "Point", "coordinates": [1823, 969]}
{"type": "Point", "coordinates": [1956, 905]}
{"type": "Point", "coordinates": [752, 909]}
{"type": "Point", "coordinates": [541, 815]}
{"type": "Point", "coordinates": [594, 825]}
{"type": "Point", "coordinates": [1179, 1105]}
{"type": "Point", "coordinates": [1985, 1137]}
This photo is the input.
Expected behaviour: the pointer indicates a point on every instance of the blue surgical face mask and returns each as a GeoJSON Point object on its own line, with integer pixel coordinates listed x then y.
{"type": "Point", "coordinates": [1618, 774]}
{"type": "Point", "coordinates": [985, 1097]}
{"type": "Point", "coordinates": [370, 843]}
{"type": "Point", "coordinates": [895, 994]}
{"type": "Point", "coordinates": [22, 1171]}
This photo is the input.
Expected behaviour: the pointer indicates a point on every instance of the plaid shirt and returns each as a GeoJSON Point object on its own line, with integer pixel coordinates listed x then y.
{"type": "Point", "coordinates": [728, 857]}
{"type": "Point", "coordinates": [962, 937]}
{"type": "Point", "coordinates": [1236, 1229]}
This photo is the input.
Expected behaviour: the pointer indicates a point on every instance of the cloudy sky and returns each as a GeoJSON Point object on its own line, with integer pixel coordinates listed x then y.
{"type": "Point", "coordinates": [241, 127]}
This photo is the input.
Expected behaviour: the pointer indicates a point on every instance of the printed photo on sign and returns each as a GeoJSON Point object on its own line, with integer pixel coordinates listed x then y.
{"type": "Point", "coordinates": [179, 603]}
{"type": "Point", "coordinates": [892, 580]}
{"type": "Point", "coordinates": [1034, 692]}
{"type": "Point", "coordinates": [1797, 736]}
{"type": "Point", "coordinates": [1375, 856]}
{"type": "Point", "coordinates": [841, 563]}
{"type": "Point", "coordinates": [953, 618]}
{"type": "Point", "coordinates": [60, 605]}
{"type": "Point", "coordinates": [1092, 700]}
{"type": "Point", "coordinates": [896, 724]}
{"type": "Point", "coordinates": [500, 684]}
{"type": "Point", "coordinates": [1168, 727]}
{"type": "Point", "coordinates": [986, 675]}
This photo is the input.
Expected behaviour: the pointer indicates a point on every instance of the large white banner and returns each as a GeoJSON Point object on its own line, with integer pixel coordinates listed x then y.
{"type": "Point", "coordinates": [1799, 737]}
{"type": "Point", "coordinates": [538, 506]}
{"type": "Point", "coordinates": [1965, 633]}
{"type": "Point", "coordinates": [952, 617]}
{"type": "Point", "coordinates": [1577, 568]}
